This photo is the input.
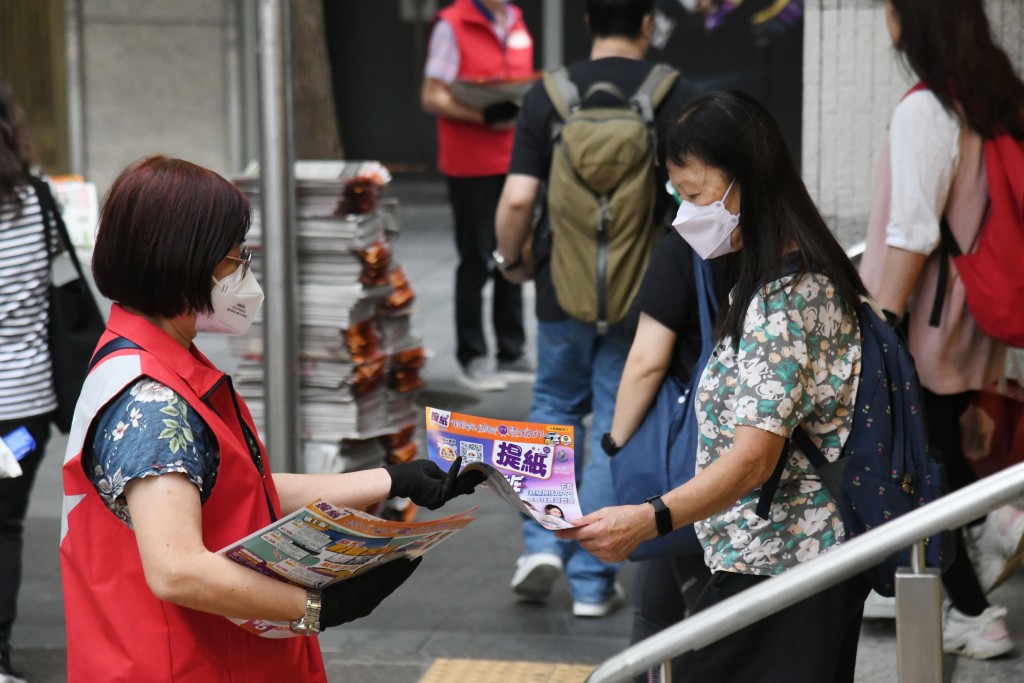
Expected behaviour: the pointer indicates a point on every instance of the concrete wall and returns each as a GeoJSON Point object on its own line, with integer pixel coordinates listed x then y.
{"type": "Point", "coordinates": [852, 82]}
{"type": "Point", "coordinates": [156, 79]}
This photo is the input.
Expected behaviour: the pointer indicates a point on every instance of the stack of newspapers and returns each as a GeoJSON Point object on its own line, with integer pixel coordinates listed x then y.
{"type": "Point", "coordinates": [359, 361]}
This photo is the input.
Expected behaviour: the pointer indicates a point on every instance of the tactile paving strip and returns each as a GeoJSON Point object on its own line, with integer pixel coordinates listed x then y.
{"type": "Point", "coordinates": [496, 671]}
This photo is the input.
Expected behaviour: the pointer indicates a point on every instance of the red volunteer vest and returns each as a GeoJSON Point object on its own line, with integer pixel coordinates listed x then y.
{"type": "Point", "coordinates": [117, 629]}
{"type": "Point", "coordinates": [466, 149]}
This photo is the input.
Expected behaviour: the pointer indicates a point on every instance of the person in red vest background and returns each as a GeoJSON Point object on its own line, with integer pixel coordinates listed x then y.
{"type": "Point", "coordinates": [479, 40]}
{"type": "Point", "coordinates": [164, 465]}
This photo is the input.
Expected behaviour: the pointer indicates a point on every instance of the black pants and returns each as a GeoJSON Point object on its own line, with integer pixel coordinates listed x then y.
{"type": "Point", "coordinates": [942, 418]}
{"type": "Point", "coordinates": [474, 202]}
{"type": "Point", "coordinates": [665, 591]}
{"type": "Point", "coordinates": [13, 506]}
{"type": "Point", "coordinates": [813, 641]}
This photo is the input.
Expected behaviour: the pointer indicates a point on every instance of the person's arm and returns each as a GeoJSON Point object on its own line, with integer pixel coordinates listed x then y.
{"type": "Point", "coordinates": [351, 489]}
{"type": "Point", "coordinates": [924, 143]}
{"type": "Point", "coordinates": [167, 518]}
{"type": "Point", "coordinates": [648, 361]}
{"type": "Point", "coordinates": [513, 219]}
{"type": "Point", "coordinates": [612, 533]}
{"type": "Point", "coordinates": [901, 271]}
{"type": "Point", "coordinates": [436, 98]}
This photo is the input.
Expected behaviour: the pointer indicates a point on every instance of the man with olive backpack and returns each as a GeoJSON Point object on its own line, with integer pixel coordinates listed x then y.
{"type": "Point", "coordinates": [588, 133]}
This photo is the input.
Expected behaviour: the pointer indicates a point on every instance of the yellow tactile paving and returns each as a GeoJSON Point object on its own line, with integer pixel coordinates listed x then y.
{"type": "Point", "coordinates": [496, 671]}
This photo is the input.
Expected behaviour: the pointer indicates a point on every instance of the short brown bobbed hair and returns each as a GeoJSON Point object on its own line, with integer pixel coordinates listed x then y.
{"type": "Point", "coordinates": [166, 224]}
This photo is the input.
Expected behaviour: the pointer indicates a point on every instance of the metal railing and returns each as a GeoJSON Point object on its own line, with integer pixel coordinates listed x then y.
{"type": "Point", "coordinates": [950, 512]}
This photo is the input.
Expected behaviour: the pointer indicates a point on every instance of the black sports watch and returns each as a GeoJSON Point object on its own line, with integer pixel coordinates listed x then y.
{"type": "Point", "coordinates": [662, 515]}
{"type": "Point", "coordinates": [608, 445]}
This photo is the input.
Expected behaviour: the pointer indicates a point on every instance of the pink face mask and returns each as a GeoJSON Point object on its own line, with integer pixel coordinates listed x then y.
{"type": "Point", "coordinates": [708, 229]}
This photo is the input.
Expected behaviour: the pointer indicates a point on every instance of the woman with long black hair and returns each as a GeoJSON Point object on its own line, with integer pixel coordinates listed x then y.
{"type": "Point", "coordinates": [788, 357]}
{"type": "Point", "coordinates": [26, 379]}
{"type": "Point", "coordinates": [933, 170]}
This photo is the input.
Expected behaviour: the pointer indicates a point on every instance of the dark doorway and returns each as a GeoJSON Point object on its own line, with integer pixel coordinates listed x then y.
{"type": "Point", "coordinates": [377, 53]}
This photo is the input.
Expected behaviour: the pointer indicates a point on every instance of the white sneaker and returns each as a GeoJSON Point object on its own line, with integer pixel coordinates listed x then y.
{"type": "Point", "coordinates": [999, 546]}
{"type": "Point", "coordinates": [600, 609]}
{"type": "Point", "coordinates": [477, 375]}
{"type": "Point", "coordinates": [535, 575]}
{"type": "Point", "coordinates": [981, 637]}
{"type": "Point", "coordinates": [518, 370]}
{"type": "Point", "coordinates": [878, 607]}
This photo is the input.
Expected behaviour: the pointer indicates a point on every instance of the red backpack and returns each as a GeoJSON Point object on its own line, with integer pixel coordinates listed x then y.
{"type": "Point", "coordinates": [993, 272]}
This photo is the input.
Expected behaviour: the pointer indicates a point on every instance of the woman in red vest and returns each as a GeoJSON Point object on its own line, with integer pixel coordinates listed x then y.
{"type": "Point", "coordinates": [164, 466]}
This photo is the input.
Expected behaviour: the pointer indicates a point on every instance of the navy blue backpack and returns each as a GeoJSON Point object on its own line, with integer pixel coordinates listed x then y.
{"type": "Point", "coordinates": [886, 468]}
{"type": "Point", "coordinates": [662, 453]}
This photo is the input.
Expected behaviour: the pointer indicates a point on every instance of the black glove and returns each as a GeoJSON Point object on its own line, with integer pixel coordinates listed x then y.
{"type": "Point", "coordinates": [500, 113]}
{"type": "Point", "coordinates": [426, 484]}
{"type": "Point", "coordinates": [355, 598]}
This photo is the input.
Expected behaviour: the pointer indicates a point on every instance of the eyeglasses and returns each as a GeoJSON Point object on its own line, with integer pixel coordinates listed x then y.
{"type": "Point", "coordinates": [244, 257]}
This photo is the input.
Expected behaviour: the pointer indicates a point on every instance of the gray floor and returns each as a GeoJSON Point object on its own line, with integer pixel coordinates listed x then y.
{"type": "Point", "coordinates": [458, 603]}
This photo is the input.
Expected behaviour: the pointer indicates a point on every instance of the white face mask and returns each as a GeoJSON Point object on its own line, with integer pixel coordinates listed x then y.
{"type": "Point", "coordinates": [708, 229]}
{"type": "Point", "coordinates": [236, 299]}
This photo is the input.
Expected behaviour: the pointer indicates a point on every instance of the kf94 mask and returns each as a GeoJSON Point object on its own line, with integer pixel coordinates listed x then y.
{"type": "Point", "coordinates": [236, 299]}
{"type": "Point", "coordinates": [708, 229]}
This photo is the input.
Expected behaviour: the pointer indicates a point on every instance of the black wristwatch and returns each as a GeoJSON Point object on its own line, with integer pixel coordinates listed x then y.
{"type": "Point", "coordinates": [608, 445]}
{"type": "Point", "coordinates": [662, 515]}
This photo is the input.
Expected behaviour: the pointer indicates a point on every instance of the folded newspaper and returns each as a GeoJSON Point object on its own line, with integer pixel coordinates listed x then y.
{"type": "Point", "coordinates": [480, 94]}
{"type": "Point", "coordinates": [321, 544]}
{"type": "Point", "coordinates": [529, 465]}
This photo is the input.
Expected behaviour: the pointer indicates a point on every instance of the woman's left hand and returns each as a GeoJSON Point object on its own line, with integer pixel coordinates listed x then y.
{"type": "Point", "coordinates": [612, 533]}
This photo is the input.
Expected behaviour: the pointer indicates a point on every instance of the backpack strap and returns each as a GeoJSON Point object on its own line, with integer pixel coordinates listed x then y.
{"type": "Point", "coordinates": [562, 92]}
{"type": "Point", "coordinates": [653, 90]}
{"type": "Point", "coordinates": [606, 88]}
{"type": "Point", "coordinates": [948, 250]}
{"type": "Point", "coordinates": [115, 344]}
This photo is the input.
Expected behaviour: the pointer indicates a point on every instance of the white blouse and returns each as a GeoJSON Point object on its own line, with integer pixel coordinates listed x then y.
{"type": "Point", "coordinates": [924, 149]}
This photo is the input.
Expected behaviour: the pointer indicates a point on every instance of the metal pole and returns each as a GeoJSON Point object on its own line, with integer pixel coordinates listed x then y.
{"type": "Point", "coordinates": [75, 89]}
{"type": "Point", "coordinates": [277, 185]}
{"type": "Point", "coordinates": [235, 78]}
{"type": "Point", "coordinates": [919, 621]}
{"type": "Point", "coordinates": [553, 34]}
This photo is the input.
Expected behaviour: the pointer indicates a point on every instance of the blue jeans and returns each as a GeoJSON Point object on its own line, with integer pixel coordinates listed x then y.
{"type": "Point", "coordinates": [578, 372]}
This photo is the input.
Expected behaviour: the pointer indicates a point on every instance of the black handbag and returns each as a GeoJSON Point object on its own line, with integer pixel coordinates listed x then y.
{"type": "Point", "coordinates": [75, 321]}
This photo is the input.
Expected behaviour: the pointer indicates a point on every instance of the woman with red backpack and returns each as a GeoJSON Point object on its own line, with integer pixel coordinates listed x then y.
{"type": "Point", "coordinates": [932, 195]}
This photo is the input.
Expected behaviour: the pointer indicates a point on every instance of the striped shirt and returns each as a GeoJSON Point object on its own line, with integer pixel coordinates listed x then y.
{"type": "Point", "coordinates": [26, 375]}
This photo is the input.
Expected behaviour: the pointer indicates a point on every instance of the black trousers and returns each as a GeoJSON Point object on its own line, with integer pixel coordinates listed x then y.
{"type": "Point", "coordinates": [813, 641]}
{"type": "Point", "coordinates": [665, 591]}
{"type": "Point", "coordinates": [474, 202]}
{"type": "Point", "coordinates": [14, 495]}
{"type": "Point", "coordinates": [942, 417]}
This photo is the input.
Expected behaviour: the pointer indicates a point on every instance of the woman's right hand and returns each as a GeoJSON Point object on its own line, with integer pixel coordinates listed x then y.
{"type": "Point", "coordinates": [357, 597]}
{"type": "Point", "coordinates": [612, 533]}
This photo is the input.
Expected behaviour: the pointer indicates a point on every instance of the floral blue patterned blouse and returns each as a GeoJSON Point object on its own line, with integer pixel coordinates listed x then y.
{"type": "Point", "coordinates": [797, 364]}
{"type": "Point", "coordinates": [146, 431]}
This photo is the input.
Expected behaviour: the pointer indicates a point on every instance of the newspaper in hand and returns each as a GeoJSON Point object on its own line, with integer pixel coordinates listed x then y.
{"type": "Point", "coordinates": [528, 465]}
{"type": "Point", "coordinates": [321, 544]}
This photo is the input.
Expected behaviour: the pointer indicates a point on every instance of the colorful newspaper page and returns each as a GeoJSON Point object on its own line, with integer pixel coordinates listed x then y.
{"type": "Point", "coordinates": [529, 465]}
{"type": "Point", "coordinates": [322, 544]}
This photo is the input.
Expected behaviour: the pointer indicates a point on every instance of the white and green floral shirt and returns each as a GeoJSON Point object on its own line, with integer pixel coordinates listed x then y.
{"type": "Point", "coordinates": [798, 363]}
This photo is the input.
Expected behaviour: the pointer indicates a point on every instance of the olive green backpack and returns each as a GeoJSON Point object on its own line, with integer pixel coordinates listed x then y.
{"type": "Point", "coordinates": [601, 194]}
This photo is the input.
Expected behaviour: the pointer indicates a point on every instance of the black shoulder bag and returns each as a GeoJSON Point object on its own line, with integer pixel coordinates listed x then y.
{"type": "Point", "coordinates": [75, 322]}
